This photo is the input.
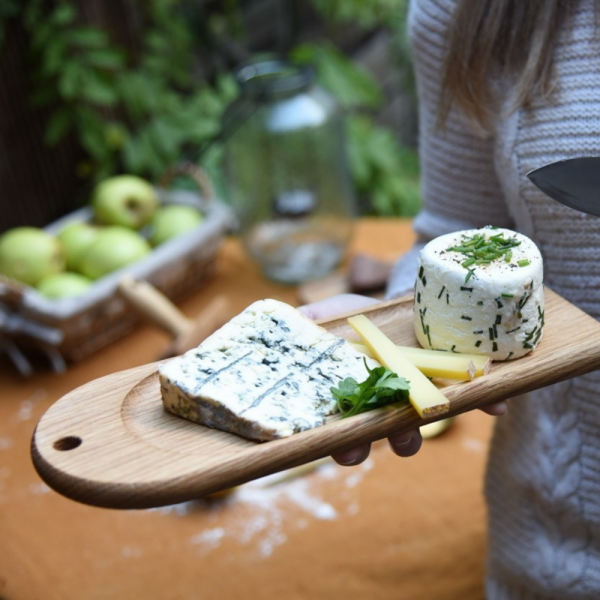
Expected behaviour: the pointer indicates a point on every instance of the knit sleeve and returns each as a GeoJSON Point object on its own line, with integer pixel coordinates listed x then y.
{"type": "Point", "coordinates": [460, 188]}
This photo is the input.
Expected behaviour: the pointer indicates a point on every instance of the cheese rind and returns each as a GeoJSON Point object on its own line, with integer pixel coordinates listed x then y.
{"type": "Point", "coordinates": [498, 311]}
{"type": "Point", "coordinates": [436, 363]}
{"type": "Point", "coordinates": [426, 399]}
{"type": "Point", "coordinates": [264, 375]}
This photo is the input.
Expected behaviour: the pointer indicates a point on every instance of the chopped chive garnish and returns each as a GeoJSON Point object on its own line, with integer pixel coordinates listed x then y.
{"type": "Point", "coordinates": [441, 291]}
{"type": "Point", "coordinates": [423, 322]}
{"type": "Point", "coordinates": [466, 318]}
{"type": "Point", "coordinates": [508, 295]}
{"type": "Point", "coordinates": [523, 301]}
{"type": "Point", "coordinates": [494, 347]}
{"type": "Point", "coordinates": [478, 343]}
{"type": "Point", "coordinates": [523, 263]}
{"type": "Point", "coordinates": [479, 250]}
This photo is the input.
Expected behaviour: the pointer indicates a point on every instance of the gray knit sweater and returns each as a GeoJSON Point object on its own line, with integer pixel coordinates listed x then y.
{"type": "Point", "coordinates": [543, 479]}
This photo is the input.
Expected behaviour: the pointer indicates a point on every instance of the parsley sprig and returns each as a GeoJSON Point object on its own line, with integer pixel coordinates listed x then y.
{"type": "Point", "coordinates": [382, 387]}
{"type": "Point", "coordinates": [481, 250]}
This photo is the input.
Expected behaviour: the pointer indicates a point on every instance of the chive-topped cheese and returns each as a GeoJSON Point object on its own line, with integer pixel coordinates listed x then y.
{"type": "Point", "coordinates": [483, 294]}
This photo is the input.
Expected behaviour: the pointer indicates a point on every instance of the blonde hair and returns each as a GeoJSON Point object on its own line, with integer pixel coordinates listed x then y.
{"type": "Point", "coordinates": [511, 39]}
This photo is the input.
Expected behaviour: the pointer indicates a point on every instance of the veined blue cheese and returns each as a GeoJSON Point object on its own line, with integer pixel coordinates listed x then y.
{"type": "Point", "coordinates": [266, 374]}
{"type": "Point", "coordinates": [496, 309]}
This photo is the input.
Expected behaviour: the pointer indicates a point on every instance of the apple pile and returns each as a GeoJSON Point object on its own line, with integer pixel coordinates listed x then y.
{"type": "Point", "coordinates": [128, 222]}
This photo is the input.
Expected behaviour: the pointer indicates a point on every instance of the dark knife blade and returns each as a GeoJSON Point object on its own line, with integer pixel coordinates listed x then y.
{"type": "Point", "coordinates": [574, 182]}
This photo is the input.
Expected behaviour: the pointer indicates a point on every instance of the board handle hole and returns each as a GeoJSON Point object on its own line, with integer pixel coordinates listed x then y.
{"type": "Point", "coordinates": [67, 443]}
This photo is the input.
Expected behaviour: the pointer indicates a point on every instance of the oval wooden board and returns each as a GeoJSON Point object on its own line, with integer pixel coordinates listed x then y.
{"type": "Point", "coordinates": [109, 443]}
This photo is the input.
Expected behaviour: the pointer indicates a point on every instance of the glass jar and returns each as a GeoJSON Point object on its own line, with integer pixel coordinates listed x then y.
{"type": "Point", "coordinates": [287, 173]}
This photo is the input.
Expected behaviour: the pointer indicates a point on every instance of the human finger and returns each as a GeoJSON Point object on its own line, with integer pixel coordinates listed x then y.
{"type": "Point", "coordinates": [497, 409]}
{"type": "Point", "coordinates": [354, 456]}
{"type": "Point", "coordinates": [407, 443]}
{"type": "Point", "coordinates": [335, 305]}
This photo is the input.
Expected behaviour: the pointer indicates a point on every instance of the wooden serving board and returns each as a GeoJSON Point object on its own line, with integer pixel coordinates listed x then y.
{"type": "Point", "coordinates": [110, 443]}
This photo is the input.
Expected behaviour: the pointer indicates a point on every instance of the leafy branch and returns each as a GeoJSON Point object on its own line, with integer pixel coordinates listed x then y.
{"type": "Point", "coordinates": [385, 172]}
{"type": "Point", "coordinates": [137, 116]}
{"type": "Point", "coordinates": [140, 111]}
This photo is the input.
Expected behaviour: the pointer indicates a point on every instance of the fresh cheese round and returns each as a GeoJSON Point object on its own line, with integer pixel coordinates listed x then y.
{"type": "Point", "coordinates": [480, 291]}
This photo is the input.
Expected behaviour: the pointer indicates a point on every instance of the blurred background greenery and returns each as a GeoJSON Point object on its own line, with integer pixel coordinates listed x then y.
{"type": "Point", "coordinates": [139, 88]}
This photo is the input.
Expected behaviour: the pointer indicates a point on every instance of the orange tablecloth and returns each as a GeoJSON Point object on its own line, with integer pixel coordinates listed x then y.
{"type": "Point", "coordinates": [391, 528]}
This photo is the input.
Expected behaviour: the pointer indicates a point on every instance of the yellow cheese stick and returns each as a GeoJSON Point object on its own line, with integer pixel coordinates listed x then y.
{"type": "Point", "coordinates": [437, 363]}
{"type": "Point", "coordinates": [427, 399]}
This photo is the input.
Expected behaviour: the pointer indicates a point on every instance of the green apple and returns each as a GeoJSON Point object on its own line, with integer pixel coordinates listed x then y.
{"type": "Point", "coordinates": [63, 285]}
{"type": "Point", "coordinates": [75, 239]}
{"type": "Point", "coordinates": [29, 253]}
{"type": "Point", "coordinates": [114, 247]}
{"type": "Point", "coordinates": [172, 220]}
{"type": "Point", "coordinates": [124, 200]}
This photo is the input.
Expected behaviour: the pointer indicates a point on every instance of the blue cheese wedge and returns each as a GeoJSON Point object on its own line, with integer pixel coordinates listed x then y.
{"type": "Point", "coordinates": [264, 375]}
{"type": "Point", "coordinates": [480, 291]}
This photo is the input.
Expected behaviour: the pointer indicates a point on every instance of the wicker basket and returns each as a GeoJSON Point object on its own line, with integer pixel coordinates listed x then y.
{"type": "Point", "coordinates": [177, 267]}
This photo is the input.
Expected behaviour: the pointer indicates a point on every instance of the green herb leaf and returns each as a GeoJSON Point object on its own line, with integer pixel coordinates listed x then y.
{"type": "Point", "coordinates": [382, 387]}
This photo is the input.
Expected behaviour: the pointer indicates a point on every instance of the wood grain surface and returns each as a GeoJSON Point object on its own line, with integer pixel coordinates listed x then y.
{"type": "Point", "coordinates": [110, 443]}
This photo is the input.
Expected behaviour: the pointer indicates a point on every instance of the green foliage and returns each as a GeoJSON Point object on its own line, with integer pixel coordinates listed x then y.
{"type": "Point", "coordinates": [352, 86]}
{"type": "Point", "coordinates": [390, 15]}
{"type": "Point", "coordinates": [140, 111]}
{"type": "Point", "coordinates": [129, 115]}
{"type": "Point", "coordinates": [368, 14]}
{"type": "Point", "coordinates": [385, 172]}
